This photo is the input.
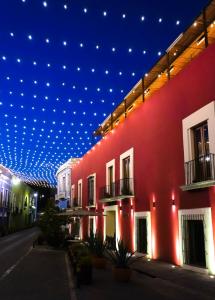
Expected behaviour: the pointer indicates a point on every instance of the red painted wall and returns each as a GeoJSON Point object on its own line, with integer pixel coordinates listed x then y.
{"type": "Point", "coordinates": [154, 130]}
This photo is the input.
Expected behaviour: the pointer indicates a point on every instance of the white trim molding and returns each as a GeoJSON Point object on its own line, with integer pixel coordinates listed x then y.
{"type": "Point", "coordinates": [80, 192]}
{"type": "Point", "coordinates": [208, 233]}
{"type": "Point", "coordinates": [116, 209]}
{"type": "Point", "coordinates": [206, 113]}
{"type": "Point", "coordinates": [143, 215]}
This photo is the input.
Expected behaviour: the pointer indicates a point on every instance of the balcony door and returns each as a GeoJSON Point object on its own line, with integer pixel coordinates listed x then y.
{"type": "Point", "coordinates": [126, 175]}
{"type": "Point", "coordinates": [110, 187]}
{"type": "Point", "coordinates": [201, 152]}
{"type": "Point", "coordinates": [91, 190]}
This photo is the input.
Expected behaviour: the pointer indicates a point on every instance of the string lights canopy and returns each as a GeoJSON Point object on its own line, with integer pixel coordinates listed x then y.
{"type": "Point", "coordinates": [65, 67]}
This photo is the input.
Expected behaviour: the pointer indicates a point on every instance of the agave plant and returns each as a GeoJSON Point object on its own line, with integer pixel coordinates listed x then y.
{"type": "Point", "coordinates": [121, 257]}
{"type": "Point", "coordinates": [96, 245]}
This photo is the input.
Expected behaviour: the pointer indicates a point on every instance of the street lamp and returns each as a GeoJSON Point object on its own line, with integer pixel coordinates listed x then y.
{"type": "Point", "coordinates": [16, 181]}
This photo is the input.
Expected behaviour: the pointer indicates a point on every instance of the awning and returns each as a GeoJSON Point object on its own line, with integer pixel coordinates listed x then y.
{"type": "Point", "coordinates": [80, 213]}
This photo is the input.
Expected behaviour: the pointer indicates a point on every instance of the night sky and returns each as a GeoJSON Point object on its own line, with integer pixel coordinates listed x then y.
{"type": "Point", "coordinates": [65, 65]}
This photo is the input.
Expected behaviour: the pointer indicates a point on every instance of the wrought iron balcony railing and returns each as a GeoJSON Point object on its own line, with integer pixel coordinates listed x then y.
{"type": "Point", "coordinates": [121, 188]}
{"type": "Point", "coordinates": [200, 169]}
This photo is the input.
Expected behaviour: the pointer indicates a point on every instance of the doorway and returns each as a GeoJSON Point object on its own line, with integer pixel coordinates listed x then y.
{"type": "Point", "coordinates": [111, 224]}
{"type": "Point", "coordinates": [142, 235]}
{"type": "Point", "coordinates": [194, 243]}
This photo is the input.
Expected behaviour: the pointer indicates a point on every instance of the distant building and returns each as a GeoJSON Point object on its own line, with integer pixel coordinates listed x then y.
{"type": "Point", "coordinates": [23, 206]}
{"type": "Point", "coordinates": [18, 203]}
{"type": "Point", "coordinates": [5, 192]}
{"type": "Point", "coordinates": [63, 196]}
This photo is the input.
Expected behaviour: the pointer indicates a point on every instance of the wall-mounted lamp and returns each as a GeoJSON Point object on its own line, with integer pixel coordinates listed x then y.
{"type": "Point", "coordinates": [154, 204]}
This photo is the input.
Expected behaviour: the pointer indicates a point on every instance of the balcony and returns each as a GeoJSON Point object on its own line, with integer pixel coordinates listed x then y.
{"type": "Point", "coordinates": [121, 189]}
{"type": "Point", "coordinates": [200, 172]}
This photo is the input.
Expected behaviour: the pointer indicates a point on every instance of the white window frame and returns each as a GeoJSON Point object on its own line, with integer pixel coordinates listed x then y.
{"type": "Point", "coordinates": [94, 200]}
{"type": "Point", "coordinates": [94, 224]}
{"type": "Point", "coordinates": [143, 215]}
{"type": "Point", "coordinates": [128, 153]}
{"type": "Point", "coordinates": [80, 192]}
{"type": "Point", "coordinates": [206, 113]}
{"type": "Point", "coordinates": [209, 241]}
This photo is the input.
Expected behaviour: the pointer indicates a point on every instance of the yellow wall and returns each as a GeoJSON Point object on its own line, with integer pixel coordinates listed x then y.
{"type": "Point", "coordinates": [110, 223]}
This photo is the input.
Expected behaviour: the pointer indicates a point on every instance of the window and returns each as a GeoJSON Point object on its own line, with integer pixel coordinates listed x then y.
{"type": "Point", "coordinates": [63, 183]}
{"type": "Point", "coordinates": [110, 179]}
{"type": "Point", "coordinates": [74, 200]}
{"type": "Point", "coordinates": [6, 202]}
{"type": "Point", "coordinates": [127, 172]}
{"type": "Point", "coordinates": [199, 145]}
{"type": "Point", "coordinates": [80, 192]}
{"type": "Point", "coordinates": [91, 190]}
{"type": "Point", "coordinates": [1, 197]}
{"type": "Point", "coordinates": [202, 157]}
{"type": "Point", "coordinates": [126, 167]}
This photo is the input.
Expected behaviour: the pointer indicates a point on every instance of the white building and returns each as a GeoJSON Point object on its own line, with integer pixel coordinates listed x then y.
{"type": "Point", "coordinates": [64, 183]}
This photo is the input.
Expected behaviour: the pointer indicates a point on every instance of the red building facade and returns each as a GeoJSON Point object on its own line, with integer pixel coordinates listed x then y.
{"type": "Point", "coordinates": [153, 177]}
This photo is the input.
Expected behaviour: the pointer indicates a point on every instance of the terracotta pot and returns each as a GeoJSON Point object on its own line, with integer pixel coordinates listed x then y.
{"type": "Point", "coordinates": [122, 274]}
{"type": "Point", "coordinates": [99, 262]}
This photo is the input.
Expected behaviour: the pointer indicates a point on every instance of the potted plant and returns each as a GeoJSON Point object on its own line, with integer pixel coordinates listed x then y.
{"type": "Point", "coordinates": [97, 248]}
{"type": "Point", "coordinates": [121, 259]}
{"type": "Point", "coordinates": [84, 270]}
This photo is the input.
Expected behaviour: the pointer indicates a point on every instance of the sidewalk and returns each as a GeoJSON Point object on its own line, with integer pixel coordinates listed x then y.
{"type": "Point", "coordinates": [199, 283]}
{"type": "Point", "coordinates": [156, 280]}
{"type": "Point", "coordinates": [41, 275]}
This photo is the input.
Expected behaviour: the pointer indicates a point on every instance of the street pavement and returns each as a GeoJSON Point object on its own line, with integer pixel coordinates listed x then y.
{"type": "Point", "coordinates": [36, 274]}
{"type": "Point", "coordinates": [14, 246]}
{"type": "Point", "coordinates": [42, 273]}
